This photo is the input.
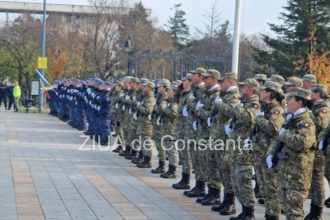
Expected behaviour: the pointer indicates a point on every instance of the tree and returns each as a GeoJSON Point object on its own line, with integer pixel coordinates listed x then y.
{"type": "Point", "coordinates": [57, 62]}
{"type": "Point", "coordinates": [177, 27]}
{"type": "Point", "coordinates": [293, 42]}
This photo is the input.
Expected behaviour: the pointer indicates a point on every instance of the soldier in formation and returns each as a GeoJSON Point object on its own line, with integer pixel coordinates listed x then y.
{"type": "Point", "coordinates": [222, 131]}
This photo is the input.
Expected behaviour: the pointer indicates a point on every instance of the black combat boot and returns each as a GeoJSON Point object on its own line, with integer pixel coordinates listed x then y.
{"type": "Point", "coordinates": [229, 206]}
{"type": "Point", "coordinates": [132, 155]}
{"type": "Point", "coordinates": [126, 152]}
{"type": "Point", "coordinates": [199, 190]}
{"type": "Point", "coordinates": [315, 213]}
{"type": "Point", "coordinates": [271, 217]}
{"type": "Point", "coordinates": [183, 183]}
{"type": "Point", "coordinates": [138, 159]}
{"type": "Point", "coordinates": [160, 168]}
{"type": "Point", "coordinates": [214, 197]}
{"type": "Point", "coordinates": [209, 191]}
{"type": "Point", "coordinates": [118, 149]}
{"type": "Point", "coordinates": [145, 163]}
{"type": "Point", "coordinates": [104, 142]}
{"type": "Point", "coordinates": [217, 208]}
{"type": "Point", "coordinates": [170, 174]}
{"type": "Point", "coordinates": [189, 191]}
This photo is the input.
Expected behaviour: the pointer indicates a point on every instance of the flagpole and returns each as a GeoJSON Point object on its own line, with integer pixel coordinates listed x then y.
{"type": "Point", "coordinates": [236, 37]}
{"type": "Point", "coordinates": [43, 54]}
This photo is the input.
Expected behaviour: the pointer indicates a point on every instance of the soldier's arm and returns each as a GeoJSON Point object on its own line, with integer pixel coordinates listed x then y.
{"type": "Point", "coordinates": [301, 140]}
{"type": "Point", "coordinates": [146, 107]}
{"type": "Point", "coordinates": [321, 120]}
{"type": "Point", "coordinates": [274, 124]}
{"type": "Point", "coordinates": [171, 112]}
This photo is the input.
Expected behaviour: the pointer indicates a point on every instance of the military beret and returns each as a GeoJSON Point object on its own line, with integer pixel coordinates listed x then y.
{"type": "Point", "coordinates": [323, 90]}
{"type": "Point", "coordinates": [252, 83]}
{"type": "Point", "coordinates": [165, 83]}
{"type": "Point", "coordinates": [277, 78]}
{"type": "Point", "coordinates": [274, 86]}
{"type": "Point", "coordinates": [309, 77]}
{"type": "Point", "coordinates": [229, 75]}
{"type": "Point", "coordinates": [213, 73]}
{"type": "Point", "coordinates": [261, 77]}
{"type": "Point", "coordinates": [300, 92]}
{"type": "Point", "coordinates": [294, 81]}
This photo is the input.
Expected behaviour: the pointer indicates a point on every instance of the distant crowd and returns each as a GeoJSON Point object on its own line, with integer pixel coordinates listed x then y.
{"type": "Point", "coordinates": [10, 94]}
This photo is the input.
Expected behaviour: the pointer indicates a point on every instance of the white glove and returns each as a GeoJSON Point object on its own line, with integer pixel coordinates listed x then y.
{"type": "Point", "coordinates": [124, 107]}
{"type": "Point", "coordinates": [135, 116]}
{"type": "Point", "coordinates": [228, 130]}
{"type": "Point", "coordinates": [321, 145]}
{"type": "Point", "coordinates": [192, 97]}
{"type": "Point", "coordinates": [185, 112]}
{"type": "Point", "coordinates": [260, 113]}
{"type": "Point", "coordinates": [269, 161]}
{"type": "Point", "coordinates": [282, 131]}
{"type": "Point", "coordinates": [117, 106]}
{"type": "Point", "coordinates": [218, 100]}
{"type": "Point", "coordinates": [288, 117]}
{"type": "Point", "coordinates": [138, 104]}
{"type": "Point", "coordinates": [247, 143]}
{"type": "Point", "coordinates": [209, 122]}
{"type": "Point", "coordinates": [149, 117]}
{"type": "Point", "coordinates": [158, 121]}
{"type": "Point", "coordinates": [195, 126]}
{"type": "Point", "coordinates": [130, 111]}
{"type": "Point", "coordinates": [127, 97]}
{"type": "Point", "coordinates": [199, 105]}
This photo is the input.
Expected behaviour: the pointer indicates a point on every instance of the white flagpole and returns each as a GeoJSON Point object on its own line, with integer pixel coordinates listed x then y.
{"type": "Point", "coordinates": [236, 37]}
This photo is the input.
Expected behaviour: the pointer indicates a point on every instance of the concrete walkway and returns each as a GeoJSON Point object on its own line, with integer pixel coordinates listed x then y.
{"type": "Point", "coordinates": [45, 173]}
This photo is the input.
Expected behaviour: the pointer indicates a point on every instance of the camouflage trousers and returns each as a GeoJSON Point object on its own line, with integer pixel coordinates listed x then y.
{"type": "Point", "coordinates": [327, 166]}
{"type": "Point", "coordinates": [293, 201]}
{"type": "Point", "coordinates": [146, 146]}
{"type": "Point", "coordinates": [193, 150]}
{"type": "Point", "coordinates": [267, 178]}
{"type": "Point", "coordinates": [211, 171]}
{"type": "Point", "coordinates": [120, 133]}
{"type": "Point", "coordinates": [184, 157]}
{"type": "Point", "coordinates": [241, 178]}
{"type": "Point", "coordinates": [317, 188]}
{"type": "Point", "coordinates": [224, 171]}
{"type": "Point", "coordinates": [126, 128]}
{"type": "Point", "coordinates": [157, 136]}
{"type": "Point", "coordinates": [171, 150]}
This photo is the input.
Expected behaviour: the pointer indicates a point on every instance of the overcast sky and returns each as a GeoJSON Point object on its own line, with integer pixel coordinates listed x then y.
{"type": "Point", "coordinates": [255, 15]}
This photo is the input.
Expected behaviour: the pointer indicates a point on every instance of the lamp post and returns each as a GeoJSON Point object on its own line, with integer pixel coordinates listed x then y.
{"type": "Point", "coordinates": [128, 48]}
{"type": "Point", "coordinates": [43, 54]}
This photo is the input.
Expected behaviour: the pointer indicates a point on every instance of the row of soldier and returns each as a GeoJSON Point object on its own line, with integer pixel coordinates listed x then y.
{"type": "Point", "coordinates": [281, 137]}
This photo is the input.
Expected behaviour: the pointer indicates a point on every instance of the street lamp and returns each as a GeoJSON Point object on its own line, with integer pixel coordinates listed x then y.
{"type": "Point", "coordinates": [128, 48]}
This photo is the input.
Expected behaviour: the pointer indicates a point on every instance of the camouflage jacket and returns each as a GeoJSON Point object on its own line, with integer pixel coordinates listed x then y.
{"type": "Point", "coordinates": [267, 127]}
{"type": "Point", "coordinates": [145, 108]}
{"type": "Point", "coordinates": [180, 122]}
{"type": "Point", "coordinates": [242, 124]}
{"type": "Point", "coordinates": [168, 118]}
{"type": "Point", "coordinates": [295, 170]}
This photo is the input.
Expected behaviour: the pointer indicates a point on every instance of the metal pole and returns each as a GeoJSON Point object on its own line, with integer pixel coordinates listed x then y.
{"type": "Point", "coordinates": [235, 55]}
{"type": "Point", "coordinates": [43, 54]}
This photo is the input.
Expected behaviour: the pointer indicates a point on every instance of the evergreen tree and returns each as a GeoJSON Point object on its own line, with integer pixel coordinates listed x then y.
{"type": "Point", "coordinates": [305, 30]}
{"type": "Point", "coordinates": [178, 28]}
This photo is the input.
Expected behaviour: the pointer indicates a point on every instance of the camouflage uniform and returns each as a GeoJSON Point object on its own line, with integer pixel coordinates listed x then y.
{"type": "Point", "coordinates": [117, 115]}
{"type": "Point", "coordinates": [242, 166]}
{"type": "Point", "coordinates": [295, 158]}
{"type": "Point", "coordinates": [321, 113]}
{"type": "Point", "coordinates": [268, 125]}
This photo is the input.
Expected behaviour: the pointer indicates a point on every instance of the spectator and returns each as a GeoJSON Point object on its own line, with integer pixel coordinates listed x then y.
{"type": "Point", "coordinates": [9, 91]}
{"type": "Point", "coordinates": [3, 86]}
{"type": "Point", "coordinates": [17, 95]}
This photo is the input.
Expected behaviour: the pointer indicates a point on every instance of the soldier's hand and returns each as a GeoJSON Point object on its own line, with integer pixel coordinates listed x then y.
{"type": "Point", "coordinates": [269, 161]}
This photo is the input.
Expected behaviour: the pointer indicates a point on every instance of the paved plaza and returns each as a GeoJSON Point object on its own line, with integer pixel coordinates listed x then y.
{"type": "Point", "coordinates": [45, 173]}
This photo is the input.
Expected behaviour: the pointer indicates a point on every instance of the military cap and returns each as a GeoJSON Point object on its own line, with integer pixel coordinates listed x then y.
{"type": "Point", "coordinates": [309, 77]}
{"type": "Point", "coordinates": [277, 78]}
{"type": "Point", "coordinates": [127, 78]}
{"type": "Point", "coordinates": [135, 79]}
{"type": "Point", "coordinates": [176, 84]}
{"type": "Point", "coordinates": [323, 90]}
{"type": "Point", "coordinates": [199, 70]}
{"type": "Point", "coordinates": [274, 86]}
{"type": "Point", "coordinates": [294, 81]}
{"type": "Point", "coordinates": [229, 75]}
{"type": "Point", "coordinates": [188, 76]}
{"type": "Point", "coordinates": [149, 84]}
{"type": "Point", "coordinates": [301, 93]}
{"type": "Point", "coordinates": [261, 77]}
{"type": "Point", "coordinates": [252, 83]}
{"type": "Point", "coordinates": [165, 83]}
{"type": "Point", "coordinates": [213, 73]}
{"type": "Point", "coordinates": [143, 80]}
